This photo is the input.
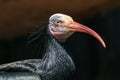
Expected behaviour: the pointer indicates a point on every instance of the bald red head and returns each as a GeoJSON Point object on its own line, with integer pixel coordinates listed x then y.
{"type": "Point", "coordinates": [62, 26]}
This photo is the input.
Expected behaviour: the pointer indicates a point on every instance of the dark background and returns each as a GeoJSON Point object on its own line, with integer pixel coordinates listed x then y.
{"type": "Point", "coordinates": [93, 62]}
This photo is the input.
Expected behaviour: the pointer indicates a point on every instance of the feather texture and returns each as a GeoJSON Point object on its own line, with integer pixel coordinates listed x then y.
{"type": "Point", "coordinates": [56, 64]}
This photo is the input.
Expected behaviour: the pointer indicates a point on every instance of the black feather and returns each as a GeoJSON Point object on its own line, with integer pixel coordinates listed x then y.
{"type": "Point", "coordinates": [56, 64]}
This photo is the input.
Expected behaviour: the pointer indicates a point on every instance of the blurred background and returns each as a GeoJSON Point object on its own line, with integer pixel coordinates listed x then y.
{"type": "Point", "coordinates": [20, 17]}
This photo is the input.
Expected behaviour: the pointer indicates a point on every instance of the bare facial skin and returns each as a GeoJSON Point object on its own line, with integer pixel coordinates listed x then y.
{"type": "Point", "coordinates": [63, 26]}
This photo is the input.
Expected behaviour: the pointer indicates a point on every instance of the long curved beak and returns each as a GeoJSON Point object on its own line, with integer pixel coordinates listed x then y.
{"type": "Point", "coordinates": [77, 27]}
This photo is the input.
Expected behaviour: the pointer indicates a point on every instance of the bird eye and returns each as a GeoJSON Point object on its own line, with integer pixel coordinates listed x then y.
{"type": "Point", "coordinates": [58, 21]}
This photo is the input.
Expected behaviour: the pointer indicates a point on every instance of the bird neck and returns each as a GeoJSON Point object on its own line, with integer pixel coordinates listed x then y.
{"type": "Point", "coordinates": [55, 54]}
{"type": "Point", "coordinates": [53, 50]}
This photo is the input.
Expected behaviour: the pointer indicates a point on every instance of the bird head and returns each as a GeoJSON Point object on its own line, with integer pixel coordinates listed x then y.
{"type": "Point", "coordinates": [62, 26]}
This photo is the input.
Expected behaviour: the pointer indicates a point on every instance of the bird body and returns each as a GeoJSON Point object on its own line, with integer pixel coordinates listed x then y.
{"type": "Point", "coordinates": [56, 63]}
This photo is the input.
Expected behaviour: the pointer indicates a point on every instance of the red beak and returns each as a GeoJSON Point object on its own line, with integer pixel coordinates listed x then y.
{"type": "Point", "coordinates": [76, 27]}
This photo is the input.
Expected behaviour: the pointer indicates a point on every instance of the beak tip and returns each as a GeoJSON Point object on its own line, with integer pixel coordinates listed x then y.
{"type": "Point", "coordinates": [103, 44]}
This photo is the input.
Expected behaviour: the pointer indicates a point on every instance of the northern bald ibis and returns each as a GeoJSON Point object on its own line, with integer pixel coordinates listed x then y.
{"type": "Point", "coordinates": [56, 64]}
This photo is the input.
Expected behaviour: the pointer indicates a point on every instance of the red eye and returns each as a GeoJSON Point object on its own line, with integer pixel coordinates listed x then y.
{"type": "Point", "coordinates": [58, 21]}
